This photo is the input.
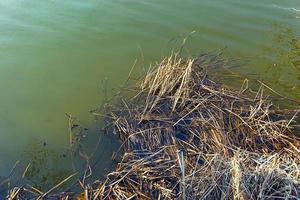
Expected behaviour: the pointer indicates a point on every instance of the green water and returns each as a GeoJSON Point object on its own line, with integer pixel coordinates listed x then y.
{"type": "Point", "coordinates": [54, 56]}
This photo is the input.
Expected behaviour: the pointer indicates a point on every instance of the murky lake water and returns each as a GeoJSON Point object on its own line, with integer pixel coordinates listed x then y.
{"type": "Point", "coordinates": [54, 55]}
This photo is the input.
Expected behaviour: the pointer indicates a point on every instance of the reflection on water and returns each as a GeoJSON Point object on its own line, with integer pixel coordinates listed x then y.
{"type": "Point", "coordinates": [54, 54]}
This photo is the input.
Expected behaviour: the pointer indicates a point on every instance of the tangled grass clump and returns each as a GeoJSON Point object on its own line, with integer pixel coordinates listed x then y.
{"type": "Point", "coordinates": [185, 136]}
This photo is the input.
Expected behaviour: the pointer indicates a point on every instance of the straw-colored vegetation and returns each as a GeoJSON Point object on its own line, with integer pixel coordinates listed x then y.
{"type": "Point", "coordinates": [187, 137]}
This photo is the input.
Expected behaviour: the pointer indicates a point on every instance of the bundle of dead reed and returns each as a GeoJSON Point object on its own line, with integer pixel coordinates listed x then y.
{"type": "Point", "coordinates": [184, 136]}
